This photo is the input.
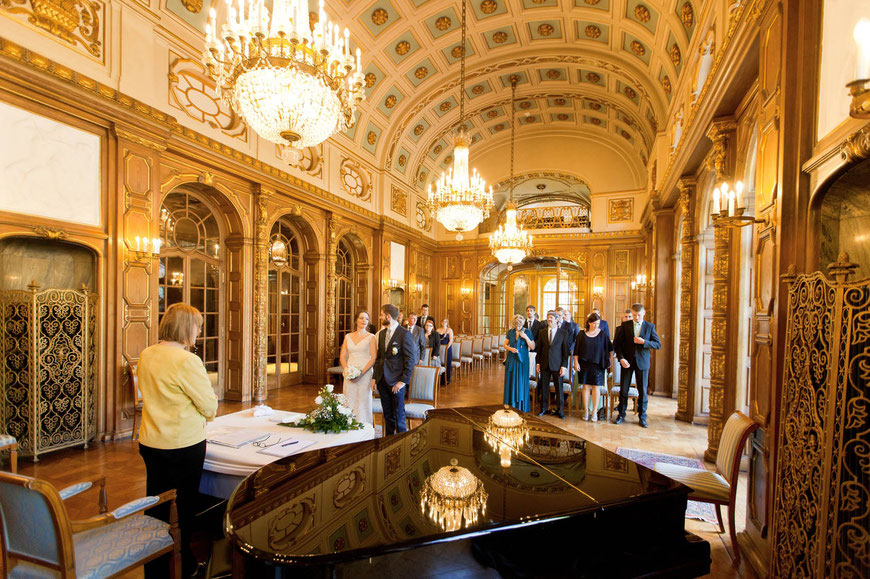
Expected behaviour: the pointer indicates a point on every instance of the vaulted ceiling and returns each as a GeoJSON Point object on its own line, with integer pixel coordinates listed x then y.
{"type": "Point", "coordinates": [595, 82]}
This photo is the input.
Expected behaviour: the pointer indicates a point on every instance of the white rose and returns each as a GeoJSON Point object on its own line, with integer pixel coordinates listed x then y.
{"type": "Point", "coordinates": [318, 400]}
{"type": "Point", "coordinates": [329, 387]}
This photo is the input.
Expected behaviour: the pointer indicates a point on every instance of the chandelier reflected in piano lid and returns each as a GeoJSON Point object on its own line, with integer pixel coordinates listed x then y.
{"type": "Point", "coordinates": [295, 82]}
{"type": "Point", "coordinates": [460, 201]}
{"type": "Point", "coordinates": [506, 433]}
{"type": "Point", "coordinates": [453, 496]}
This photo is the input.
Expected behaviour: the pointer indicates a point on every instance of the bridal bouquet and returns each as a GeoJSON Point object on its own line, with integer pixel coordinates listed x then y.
{"type": "Point", "coordinates": [351, 373]}
{"type": "Point", "coordinates": [331, 415]}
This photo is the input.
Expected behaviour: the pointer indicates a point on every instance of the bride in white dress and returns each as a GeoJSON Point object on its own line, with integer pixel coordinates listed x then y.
{"type": "Point", "coordinates": [360, 350]}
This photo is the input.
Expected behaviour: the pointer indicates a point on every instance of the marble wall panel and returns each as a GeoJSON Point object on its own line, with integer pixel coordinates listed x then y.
{"type": "Point", "coordinates": [52, 264]}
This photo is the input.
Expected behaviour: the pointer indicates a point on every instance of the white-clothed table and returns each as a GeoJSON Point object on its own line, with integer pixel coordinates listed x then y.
{"type": "Point", "coordinates": [226, 467]}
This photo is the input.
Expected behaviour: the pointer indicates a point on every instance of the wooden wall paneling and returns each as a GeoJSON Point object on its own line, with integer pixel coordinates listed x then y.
{"type": "Point", "coordinates": [663, 293]}
{"type": "Point", "coordinates": [688, 305]}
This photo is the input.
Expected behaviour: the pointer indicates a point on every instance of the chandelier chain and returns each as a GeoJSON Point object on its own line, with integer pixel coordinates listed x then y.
{"type": "Point", "coordinates": [462, 67]}
{"type": "Point", "coordinates": [513, 132]}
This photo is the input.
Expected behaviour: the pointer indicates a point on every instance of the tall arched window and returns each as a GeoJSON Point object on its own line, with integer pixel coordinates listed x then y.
{"type": "Point", "coordinates": [283, 356]}
{"type": "Point", "coordinates": [343, 292]}
{"type": "Point", "coordinates": [190, 269]}
{"type": "Point", "coordinates": [567, 296]}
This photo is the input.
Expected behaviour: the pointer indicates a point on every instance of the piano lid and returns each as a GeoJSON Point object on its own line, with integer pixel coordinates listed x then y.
{"type": "Point", "coordinates": [357, 500]}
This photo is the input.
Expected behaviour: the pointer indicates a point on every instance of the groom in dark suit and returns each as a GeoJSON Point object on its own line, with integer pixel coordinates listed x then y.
{"type": "Point", "coordinates": [551, 344]}
{"type": "Point", "coordinates": [397, 354]}
{"type": "Point", "coordinates": [635, 338]}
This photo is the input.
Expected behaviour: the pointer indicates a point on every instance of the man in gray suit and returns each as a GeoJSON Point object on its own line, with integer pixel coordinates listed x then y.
{"type": "Point", "coordinates": [418, 333]}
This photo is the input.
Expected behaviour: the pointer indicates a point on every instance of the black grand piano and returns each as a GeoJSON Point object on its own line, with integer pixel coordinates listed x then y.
{"type": "Point", "coordinates": [563, 508]}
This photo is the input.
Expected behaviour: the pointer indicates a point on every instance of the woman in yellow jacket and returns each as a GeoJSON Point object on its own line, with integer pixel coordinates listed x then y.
{"type": "Point", "coordinates": [178, 400]}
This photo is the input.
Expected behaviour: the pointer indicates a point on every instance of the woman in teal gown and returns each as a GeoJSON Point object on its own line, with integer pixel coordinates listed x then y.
{"type": "Point", "coordinates": [518, 342]}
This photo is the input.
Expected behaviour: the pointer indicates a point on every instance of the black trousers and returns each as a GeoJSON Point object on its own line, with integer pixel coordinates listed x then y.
{"type": "Point", "coordinates": [641, 377]}
{"type": "Point", "coordinates": [179, 469]}
{"type": "Point", "coordinates": [544, 388]}
{"type": "Point", "coordinates": [394, 408]}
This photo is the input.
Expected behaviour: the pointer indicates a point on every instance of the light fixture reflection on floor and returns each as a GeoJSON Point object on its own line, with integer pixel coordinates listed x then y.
{"type": "Point", "coordinates": [506, 432]}
{"type": "Point", "coordinates": [453, 496]}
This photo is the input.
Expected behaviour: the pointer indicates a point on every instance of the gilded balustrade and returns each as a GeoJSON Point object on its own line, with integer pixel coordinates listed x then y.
{"type": "Point", "coordinates": [560, 217]}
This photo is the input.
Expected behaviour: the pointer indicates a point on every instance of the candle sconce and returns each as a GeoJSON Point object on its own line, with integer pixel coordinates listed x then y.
{"type": "Point", "coordinates": [640, 284]}
{"type": "Point", "coordinates": [597, 292]}
{"type": "Point", "coordinates": [859, 89]}
{"type": "Point", "coordinates": [144, 249]}
{"type": "Point", "coordinates": [729, 209]}
{"type": "Point", "coordinates": [393, 284]}
{"type": "Point", "coordinates": [466, 292]}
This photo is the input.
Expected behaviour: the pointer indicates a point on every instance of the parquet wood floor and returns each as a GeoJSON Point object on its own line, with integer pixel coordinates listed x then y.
{"type": "Point", "coordinates": [124, 470]}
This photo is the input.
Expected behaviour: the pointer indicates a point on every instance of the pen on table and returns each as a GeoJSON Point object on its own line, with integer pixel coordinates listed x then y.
{"type": "Point", "coordinates": [289, 443]}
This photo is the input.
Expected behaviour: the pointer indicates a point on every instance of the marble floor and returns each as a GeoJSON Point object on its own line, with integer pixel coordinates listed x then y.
{"type": "Point", "coordinates": [120, 463]}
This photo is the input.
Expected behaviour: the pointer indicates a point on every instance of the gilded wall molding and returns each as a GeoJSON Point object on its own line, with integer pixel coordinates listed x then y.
{"type": "Point", "coordinates": [719, 338]}
{"type": "Point", "coordinates": [685, 385]}
{"type": "Point", "coordinates": [720, 132]}
{"type": "Point", "coordinates": [138, 139]}
{"type": "Point", "coordinates": [261, 272]}
{"type": "Point", "coordinates": [333, 225]}
{"type": "Point", "coordinates": [49, 233]}
{"type": "Point", "coordinates": [77, 22]}
{"type": "Point", "coordinates": [857, 146]}
{"type": "Point", "coordinates": [188, 76]}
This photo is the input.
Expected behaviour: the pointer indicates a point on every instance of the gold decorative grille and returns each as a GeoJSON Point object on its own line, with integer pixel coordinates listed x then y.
{"type": "Point", "coordinates": [554, 217]}
{"type": "Point", "coordinates": [48, 367]}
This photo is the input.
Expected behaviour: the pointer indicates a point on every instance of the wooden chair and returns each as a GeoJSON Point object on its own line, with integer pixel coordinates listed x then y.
{"type": "Point", "coordinates": [713, 487]}
{"type": "Point", "coordinates": [487, 348]}
{"type": "Point", "coordinates": [8, 442]}
{"type": "Point", "coordinates": [425, 357]}
{"type": "Point", "coordinates": [477, 351]}
{"type": "Point", "coordinates": [422, 393]}
{"type": "Point", "coordinates": [39, 540]}
{"type": "Point", "coordinates": [135, 396]}
{"type": "Point", "coordinates": [455, 362]}
{"type": "Point", "coordinates": [465, 357]}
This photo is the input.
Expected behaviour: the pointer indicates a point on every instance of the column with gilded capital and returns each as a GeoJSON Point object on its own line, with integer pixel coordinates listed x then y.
{"type": "Point", "coordinates": [333, 222]}
{"type": "Point", "coordinates": [685, 370]}
{"type": "Point", "coordinates": [261, 272]}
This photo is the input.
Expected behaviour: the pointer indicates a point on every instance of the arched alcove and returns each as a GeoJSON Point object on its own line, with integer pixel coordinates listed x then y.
{"type": "Point", "coordinates": [841, 219]}
{"type": "Point", "coordinates": [51, 263]}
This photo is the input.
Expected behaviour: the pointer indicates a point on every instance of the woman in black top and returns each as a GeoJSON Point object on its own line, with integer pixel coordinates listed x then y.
{"type": "Point", "coordinates": [591, 361]}
{"type": "Point", "coordinates": [433, 341]}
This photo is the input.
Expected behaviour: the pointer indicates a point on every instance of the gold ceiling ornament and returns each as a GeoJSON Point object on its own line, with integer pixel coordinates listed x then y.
{"type": "Point", "coordinates": [630, 92]}
{"type": "Point", "coordinates": [500, 37]}
{"type": "Point", "coordinates": [506, 433]}
{"type": "Point", "coordinates": [624, 134]}
{"type": "Point", "coordinates": [562, 117]}
{"type": "Point", "coordinates": [560, 102]}
{"type": "Point", "coordinates": [370, 79]}
{"type": "Point", "coordinates": [546, 29]}
{"type": "Point", "coordinates": [525, 105]}
{"type": "Point", "coordinates": [687, 15]}
{"type": "Point", "coordinates": [595, 120]}
{"type": "Point", "coordinates": [390, 101]}
{"type": "Point", "coordinates": [554, 74]}
{"type": "Point", "coordinates": [666, 84]}
{"type": "Point", "coordinates": [443, 23]}
{"type": "Point", "coordinates": [418, 130]}
{"type": "Point", "coordinates": [637, 48]}
{"type": "Point", "coordinates": [676, 56]}
{"type": "Point", "coordinates": [445, 106]}
{"type": "Point", "coordinates": [192, 6]}
{"type": "Point", "coordinates": [592, 2]}
{"type": "Point", "coordinates": [456, 52]}
{"type": "Point", "coordinates": [380, 17]}
{"type": "Point", "coordinates": [641, 12]}
{"type": "Point", "coordinates": [488, 6]}
{"type": "Point", "coordinates": [292, 82]}
{"type": "Point", "coordinates": [421, 72]}
{"type": "Point", "coordinates": [402, 160]}
{"type": "Point", "coordinates": [510, 243]}
{"type": "Point", "coordinates": [437, 149]}
{"type": "Point", "coordinates": [403, 48]}
{"type": "Point", "coordinates": [492, 114]}
{"type": "Point", "coordinates": [530, 120]}
{"type": "Point", "coordinates": [478, 89]}
{"type": "Point", "coordinates": [595, 106]}
{"type": "Point", "coordinates": [592, 31]}
{"type": "Point", "coordinates": [459, 200]}
{"type": "Point", "coordinates": [499, 127]}
{"type": "Point", "coordinates": [371, 138]}
{"type": "Point", "coordinates": [453, 497]}
{"type": "Point", "coordinates": [448, 159]}
{"type": "Point", "coordinates": [593, 77]}
{"type": "Point", "coordinates": [74, 21]}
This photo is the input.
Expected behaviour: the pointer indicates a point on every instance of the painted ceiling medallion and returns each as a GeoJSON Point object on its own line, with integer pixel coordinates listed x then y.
{"type": "Point", "coordinates": [595, 121]}
{"type": "Point", "coordinates": [562, 117]}
{"type": "Point", "coordinates": [492, 114]}
{"type": "Point", "coordinates": [456, 52]}
{"type": "Point", "coordinates": [676, 57]}
{"type": "Point", "coordinates": [546, 29]}
{"type": "Point", "coordinates": [403, 48]}
{"type": "Point", "coordinates": [595, 106]}
{"type": "Point", "coordinates": [488, 6]}
{"type": "Point", "coordinates": [525, 105]}
{"type": "Point", "coordinates": [560, 102]}
{"type": "Point", "coordinates": [380, 17]}
{"type": "Point", "coordinates": [499, 127]}
{"type": "Point", "coordinates": [592, 31]}
{"type": "Point", "coordinates": [443, 23]}
{"type": "Point", "coordinates": [637, 48]}
{"type": "Point", "coordinates": [370, 80]}
{"type": "Point", "coordinates": [641, 12]}
{"type": "Point", "coordinates": [530, 120]}
{"type": "Point", "coordinates": [390, 102]}
{"type": "Point", "coordinates": [371, 138]}
{"type": "Point", "coordinates": [593, 77]}
{"type": "Point", "coordinates": [554, 74]}
{"type": "Point", "coordinates": [445, 106]}
{"type": "Point", "coordinates": [418, 130]}
{"type": "Point", "coordinates": [629, 92]}
{"type": "Point", "coordinates": [687, 15]}
{"type": "Point", "coordinates": [477, 89]}
{"type": "Point", "coordinates": [421, 72]}
{"type": "Point", "coordinates": [500, 37]}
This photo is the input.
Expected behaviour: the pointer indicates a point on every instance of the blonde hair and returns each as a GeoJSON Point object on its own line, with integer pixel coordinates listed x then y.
{"type": "Point", "coordinates": [180, 324]}
{"type": "Point", "coordinates": [519, 317]}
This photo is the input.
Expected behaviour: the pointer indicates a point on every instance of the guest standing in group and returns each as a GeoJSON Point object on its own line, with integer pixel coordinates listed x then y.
{"type": "Point", "coordinates": [178, 400]}
{"type": "Point", "coordinates": [551, 363]}
{"type": "Point", "coordinates": [446, 340]}
{"type": "Point", "coordinates": [517, 344]}
{"type": "Point", "coordinates": [424, 316]}
{"type": "Point", "coordinates": [636, 339]}
{"type": "Point", "coordinates": [418, 333]}
{"type": "Point", "coordinates": [433, 342]}
{"type": "Point", "coordinates": [397, 355]}
{"type": "Point", "coordinates": [591, 361]}
{"type": "Point", "coordinates": [602, 323]}
{"type": "Point", "coordinates": [359, 350]}
{"type": "Point", "coordinates": [532, 322]}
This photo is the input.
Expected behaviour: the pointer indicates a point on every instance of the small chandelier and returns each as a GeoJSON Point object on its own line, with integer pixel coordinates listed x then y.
{"type": "Point", "coordinates": [506, 433]}
{"type": "Point", "coordinates": [459, 201]}
{"type": "Point", "coordinates": [453, 495]}
{"type": "Point", "coordinates": [510, 243]}
{"type": "Point", "coordinates": [293, 82]}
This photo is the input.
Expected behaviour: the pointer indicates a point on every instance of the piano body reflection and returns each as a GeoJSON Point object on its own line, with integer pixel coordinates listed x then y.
{"type": "Point", "coordinates": [564, 507]}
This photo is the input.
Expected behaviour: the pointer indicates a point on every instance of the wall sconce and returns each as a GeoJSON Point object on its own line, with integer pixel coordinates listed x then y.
{"type": "Point", "coordinates": [392, 284]}
{"type": "Point", "coordinates": [146, 248]}
{"type": "Point", "coordinates": [419, 288]}
{"type": "Point", "coordinates": [640, 283]}
{"type": "Point", "coordinates": [176, 278]}
{"type": "Point", "coordinates": [728, 207]}
{"type": "Point", "coordinates": [858, 88]}
{"type": "Point", "coordinates": [466, 292]}
{"type": "Point", "coordinates": [597, 292]}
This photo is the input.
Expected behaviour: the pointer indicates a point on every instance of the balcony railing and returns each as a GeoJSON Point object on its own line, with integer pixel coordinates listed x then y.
{"type": "Point", "coordinates": [559, 217]}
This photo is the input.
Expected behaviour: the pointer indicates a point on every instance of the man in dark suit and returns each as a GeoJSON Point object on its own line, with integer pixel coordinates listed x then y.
{"type": "Point", "coordinates": [602, 324]}
{"type": "Point", "coordinates": [532, 322]}
{"type": "Point", "coordinates": [424, 315]}
{"type": "Point", "coordinates": [418, 333]}
{"type": "Point", "coordinates": [551, 344]}
{"type": "Point", "coordinates": [397, 355]}
{"type": "Point", "coordinates": [635, 339]}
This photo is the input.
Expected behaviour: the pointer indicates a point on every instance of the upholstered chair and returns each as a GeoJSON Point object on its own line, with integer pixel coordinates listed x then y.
{"type": "Point", "coordinates": [8, 442]}
{"type": "Point", "coordinates": [422, 393]}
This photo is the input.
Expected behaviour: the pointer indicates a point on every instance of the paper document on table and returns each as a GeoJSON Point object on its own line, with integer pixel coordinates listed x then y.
{"type": "Point", "coordinates": [287, 447]}
{"type": "Point", "coordinates": [234, 437]}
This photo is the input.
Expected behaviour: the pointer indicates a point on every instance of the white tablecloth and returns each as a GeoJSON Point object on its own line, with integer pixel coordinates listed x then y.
{"type": "Point", "coordinates": [226, 467]}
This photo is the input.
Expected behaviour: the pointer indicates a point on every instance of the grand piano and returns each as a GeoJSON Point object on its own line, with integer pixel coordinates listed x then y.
{"type": "Point", "coordinates": [563, 508]}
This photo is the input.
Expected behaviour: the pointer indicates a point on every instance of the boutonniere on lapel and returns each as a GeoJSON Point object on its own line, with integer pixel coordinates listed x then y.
{"type": "Point", "coordinates": [395, 349]}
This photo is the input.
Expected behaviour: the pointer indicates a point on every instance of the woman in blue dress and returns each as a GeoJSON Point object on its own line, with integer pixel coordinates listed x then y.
{"type": "Point", "coordinates": [446, 334]}
{"type": "Point", "coordinates": [518, 342]}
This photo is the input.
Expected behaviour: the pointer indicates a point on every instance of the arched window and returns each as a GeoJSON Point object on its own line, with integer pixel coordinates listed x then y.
{"type": "Point", "coordinates": [189, 270]}
{"type": "Point", "coordinates": [283, 353]}
{"type": "Point", "coordinates": [343, 292]}
{"type": "Point", "coordinates": [567, 292]}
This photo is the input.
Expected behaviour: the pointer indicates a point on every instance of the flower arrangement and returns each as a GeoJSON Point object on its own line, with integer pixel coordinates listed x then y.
{"type": "Point", "coordinates": [331, 415]}
{"type": "Point", "coordinates": [351, 373]}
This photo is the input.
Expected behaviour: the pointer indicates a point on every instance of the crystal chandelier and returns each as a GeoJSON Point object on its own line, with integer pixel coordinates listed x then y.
{"type": "Point", "coordinates": [459, 201]}
{"type": "Point", "coordinates": [293, 82]}
{"type": "Point", "coordinates": [453, 495]}
{"type": "Point", "coordinates": [506, 433]}
{"type": "Point", "coordinates": [510, 243]}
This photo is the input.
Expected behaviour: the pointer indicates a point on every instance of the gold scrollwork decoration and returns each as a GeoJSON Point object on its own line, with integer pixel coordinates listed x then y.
{"type": "Point", "coordinates": [74, 21]}
{"type": "Point", "coordinates": [191, 91]}
{"type": "Point", "coordinates": [50, 233]}
{"type": "Point", "coordinates": [857, 146]}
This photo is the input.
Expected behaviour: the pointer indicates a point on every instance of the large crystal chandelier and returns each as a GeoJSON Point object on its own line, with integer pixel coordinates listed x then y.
{"type": "Point", "coordinates": [294, 82]}
{"type": "Point", "coordinates": [510, 243]}
{"type": "Point", "coordinates": [459, 201]}
{"type": "Point", "coordinates": [506, 433]}
{"type": "Point", "coordinates": [453, 497]}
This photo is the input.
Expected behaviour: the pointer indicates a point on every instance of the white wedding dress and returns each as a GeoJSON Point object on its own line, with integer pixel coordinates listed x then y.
{"type": "Point", "coordinates": [359, 392]}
